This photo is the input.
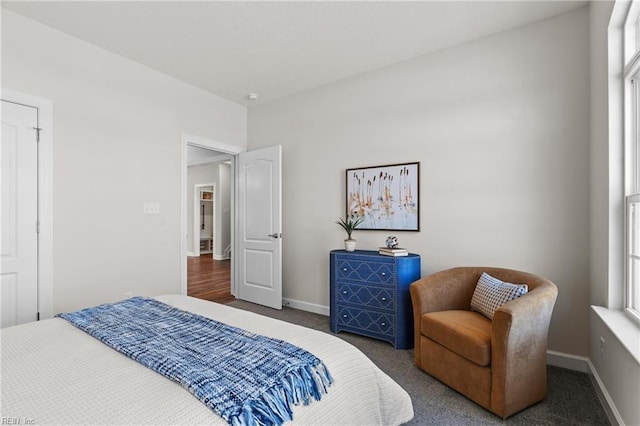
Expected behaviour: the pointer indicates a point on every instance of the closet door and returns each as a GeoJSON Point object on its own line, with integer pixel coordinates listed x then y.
{"type": "Point", "coordinates": [19, 207]}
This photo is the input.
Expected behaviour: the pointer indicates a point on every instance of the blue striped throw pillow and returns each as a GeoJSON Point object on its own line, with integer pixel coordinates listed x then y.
{"type": "Point", "coordinates": [491, 293]}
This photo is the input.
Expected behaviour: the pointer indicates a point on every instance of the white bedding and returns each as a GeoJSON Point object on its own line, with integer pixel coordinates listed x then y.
{"type": "Point", "coordinates": [54, 373]}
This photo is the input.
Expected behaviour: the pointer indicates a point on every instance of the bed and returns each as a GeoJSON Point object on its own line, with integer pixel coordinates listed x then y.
{"type": "Point", "coordinates": [54, 373]}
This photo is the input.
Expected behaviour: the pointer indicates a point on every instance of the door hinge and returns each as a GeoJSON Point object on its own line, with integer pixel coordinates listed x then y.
{"type": "Point", "coordinates": [37, 226]}
{"type": "Point", "coordinates": [37, 129]}
{"type": "Point", "coordinates": [38, 316]}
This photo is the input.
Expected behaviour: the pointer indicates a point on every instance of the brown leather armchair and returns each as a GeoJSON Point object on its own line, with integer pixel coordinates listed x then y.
{"type": "Point", "coordinates": [499, 363]}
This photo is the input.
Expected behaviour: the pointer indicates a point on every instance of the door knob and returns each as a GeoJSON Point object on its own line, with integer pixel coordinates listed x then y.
{"type": "Point", "coordinates": [275, 235]}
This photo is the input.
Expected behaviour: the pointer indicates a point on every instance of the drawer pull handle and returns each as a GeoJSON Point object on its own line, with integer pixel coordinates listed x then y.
{"type": "Point", "coordinates": [344, 291]}
{"type": "Point", "coordinates": [344, 316]}
{"type": "Point", "coordinates": [345, 269]}
{"type": "Point", "coordinates": [383, 324]}
{"type": "Point", "coordinates": [384, 274]}
{"type": "Point", "coordinates": [384, 299]}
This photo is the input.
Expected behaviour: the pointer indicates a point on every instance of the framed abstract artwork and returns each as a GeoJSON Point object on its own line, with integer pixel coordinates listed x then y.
{"type": "Point", "coordinates": [386, 196]}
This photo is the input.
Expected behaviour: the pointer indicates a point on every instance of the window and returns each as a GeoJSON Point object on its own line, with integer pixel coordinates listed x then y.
{"type": "Point", "coordinates": [632, 158]}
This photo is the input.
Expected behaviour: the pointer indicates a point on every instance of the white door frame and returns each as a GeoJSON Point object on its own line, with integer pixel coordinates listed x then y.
{"type": "Point", "coordinates": [45, 195]}
{"type": "Point", "coordinates": [234, 150]}
{"type": "Point", "coordinates": [195, 249]}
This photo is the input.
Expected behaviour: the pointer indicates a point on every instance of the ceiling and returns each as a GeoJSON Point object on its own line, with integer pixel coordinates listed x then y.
{"type": "Point", "coordinates": [274, 49]}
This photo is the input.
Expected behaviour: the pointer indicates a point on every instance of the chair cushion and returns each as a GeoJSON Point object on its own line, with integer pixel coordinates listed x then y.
{"type": "Point", "coordinates": [466, 333]}
{"type": "Point", "coordinates": [491, 293]}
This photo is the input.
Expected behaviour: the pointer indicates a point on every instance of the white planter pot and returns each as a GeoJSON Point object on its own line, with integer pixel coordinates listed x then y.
{"type": "Point", "coordinates": [350, 245]}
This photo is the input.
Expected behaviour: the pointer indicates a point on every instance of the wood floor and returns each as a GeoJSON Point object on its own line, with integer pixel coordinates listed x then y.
{"type": "Point", "coordinates": [209, 279]}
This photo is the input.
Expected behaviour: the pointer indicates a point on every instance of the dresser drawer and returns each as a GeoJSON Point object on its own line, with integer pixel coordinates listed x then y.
{"type": "Point", "coordinates": [363, 295]}
{"type": "Point", "coordinates": [363, 320]}
{"type": "Point", "coordinates": [372, 272]}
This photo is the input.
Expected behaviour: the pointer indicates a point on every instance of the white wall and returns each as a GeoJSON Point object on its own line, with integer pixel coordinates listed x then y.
{"type": "Point", "coordinates": [501, 128]}
{"type": "Point", "coordinates": [616, 369]}
{"type": "Point", "coordinates": [117, 144]}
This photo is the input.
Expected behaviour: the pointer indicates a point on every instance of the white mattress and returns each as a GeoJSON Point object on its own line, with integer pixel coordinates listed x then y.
{"type": "Point", "coordinates": [53, 373]}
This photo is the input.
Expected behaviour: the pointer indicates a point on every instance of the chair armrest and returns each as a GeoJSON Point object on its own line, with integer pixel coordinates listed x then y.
{"type": "Point", "coordinates": [519, 349]}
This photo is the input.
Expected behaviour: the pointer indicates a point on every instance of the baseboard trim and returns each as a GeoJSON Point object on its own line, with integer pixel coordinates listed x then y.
{"type": "Point", "coordinates": [218, 257]}
{"type": "Point", "coordinates": [584, 365]}
{"type": "Point", "coordinates": [568, 361]}
{"type": "Point", "coordinates": [605, 399]}
{"type": "Point", "coordinates": [306, 306]}
{"type": "Point", "coordinates": [191, 254]}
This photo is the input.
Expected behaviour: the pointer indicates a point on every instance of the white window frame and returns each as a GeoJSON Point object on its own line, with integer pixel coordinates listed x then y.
{"type": "Point", "coordinates": [632, 158]}
{"type": "Point", "coordinates": [632, 288]}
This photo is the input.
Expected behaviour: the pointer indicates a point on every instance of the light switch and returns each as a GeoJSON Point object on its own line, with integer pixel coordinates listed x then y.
{"type": "Point", "coordinates": [151, 208]}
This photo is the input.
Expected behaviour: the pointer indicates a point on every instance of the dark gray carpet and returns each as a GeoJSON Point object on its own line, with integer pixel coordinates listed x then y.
{"type": "Point", "coordinates": [571, 397]}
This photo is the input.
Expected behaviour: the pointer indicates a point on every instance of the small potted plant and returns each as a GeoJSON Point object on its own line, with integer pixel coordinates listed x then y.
{"type": "Point", "coordinates": [349, 225]}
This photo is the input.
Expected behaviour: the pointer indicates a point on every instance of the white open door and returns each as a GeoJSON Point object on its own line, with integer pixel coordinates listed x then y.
{"type": "Point", "coordinates": [259, 227]}
{"type": "Point", "coordinates": [19, 212]}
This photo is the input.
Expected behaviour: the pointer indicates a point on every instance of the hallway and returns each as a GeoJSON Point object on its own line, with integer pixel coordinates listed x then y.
{"type": "Point", "coordinates": [209, 279]}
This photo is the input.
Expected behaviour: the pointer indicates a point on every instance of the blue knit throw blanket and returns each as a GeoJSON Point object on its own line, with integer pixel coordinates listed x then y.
{"type": "Point", "coordinates": [246, 378]}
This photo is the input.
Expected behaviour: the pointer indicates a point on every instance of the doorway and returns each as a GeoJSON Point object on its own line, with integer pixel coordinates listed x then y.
{"type": "Point", "coordinates": [256, 181]}
{"type": "Point", "coordinates": [209, 239]}
{"type": "Point", "coordinates": [208, 199]}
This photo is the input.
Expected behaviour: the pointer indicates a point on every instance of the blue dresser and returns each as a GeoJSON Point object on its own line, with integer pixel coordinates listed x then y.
{"type": "Point", "coordinates": [370, 295]}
